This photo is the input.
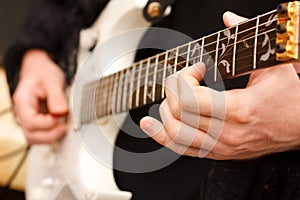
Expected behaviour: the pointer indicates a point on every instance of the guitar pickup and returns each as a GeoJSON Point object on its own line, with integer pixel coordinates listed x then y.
{"type": "Point", "coordinates": [288, 31]}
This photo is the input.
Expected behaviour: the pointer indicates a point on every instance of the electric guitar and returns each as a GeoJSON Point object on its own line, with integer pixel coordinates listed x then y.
{"type": "Point", "coordinates": [80, 166]}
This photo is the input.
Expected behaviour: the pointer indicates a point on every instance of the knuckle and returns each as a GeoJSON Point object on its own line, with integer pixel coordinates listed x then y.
{"type": "Point", "coordinates": [168, 81]}
{"type": "Point", "coordinates": [186, 104]}
{"type": "Point", "coordinates": [243, 114]}
{"type": "Point", "coordinates": [233, 139]}
{"type": "Point", "coordinates": [28, 125]}
{"type": "Point", "coordinates": [175, 109]}
{"type": "Point", "coordinates": [173, 135]}
{"type": "Point", "coordinates": [190, 102]}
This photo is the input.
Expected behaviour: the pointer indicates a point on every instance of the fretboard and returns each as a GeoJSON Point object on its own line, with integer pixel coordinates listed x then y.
{"type": "Point", "coordinates": [229, 53]}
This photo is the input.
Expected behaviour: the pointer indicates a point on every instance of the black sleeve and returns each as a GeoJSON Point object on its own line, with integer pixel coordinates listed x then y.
{"type": "Point", "coordinates": [52, 25]}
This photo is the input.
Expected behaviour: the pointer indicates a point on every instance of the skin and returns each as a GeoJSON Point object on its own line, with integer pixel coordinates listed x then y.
{"type": "Point", "coordinates": [41, 80]}
{"type": "Point", "coordinates": [245, 123]}
{"type": "Point", "coordinates": [39, 101]}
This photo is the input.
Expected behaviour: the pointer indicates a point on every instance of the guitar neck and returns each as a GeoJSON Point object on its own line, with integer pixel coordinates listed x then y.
{"type": "Point", "coordinates": [257, 43]}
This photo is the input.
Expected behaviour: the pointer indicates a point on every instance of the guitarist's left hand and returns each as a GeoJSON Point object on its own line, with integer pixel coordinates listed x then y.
{"type": "Point", "coordinates": [245, 123]}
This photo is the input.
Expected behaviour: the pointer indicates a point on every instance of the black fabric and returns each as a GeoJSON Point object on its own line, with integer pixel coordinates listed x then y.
{"type": "Point", "coordinates": [52, 25]}
{"type": "Point", "coordinates": [254, 179]}
{"type": "Point", "coordinates": [180, 180]}
{"type": "Point", "coordinates": [270, 177]}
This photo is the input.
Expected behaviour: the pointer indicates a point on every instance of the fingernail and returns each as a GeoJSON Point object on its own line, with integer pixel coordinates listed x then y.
{"type": "Point", "coordinates": [146, 123]}
{"type": "Point", "coordinates": [199, 66]}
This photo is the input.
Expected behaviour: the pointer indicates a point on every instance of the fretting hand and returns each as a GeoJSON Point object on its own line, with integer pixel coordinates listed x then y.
{"type": "Point", "coordinates": [236, 124]}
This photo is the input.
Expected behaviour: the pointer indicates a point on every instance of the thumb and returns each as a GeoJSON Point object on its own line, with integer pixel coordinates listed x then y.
{"type": "Point", "coordinates": [231, 19]}
{"type": "Point", "coordinates": [56, 99]}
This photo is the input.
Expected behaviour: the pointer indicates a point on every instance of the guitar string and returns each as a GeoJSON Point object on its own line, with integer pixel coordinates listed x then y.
{"type": "Point", "coordinates": [93, 84]}
{"type": "Point", "coordinates": [122, 85]}
{"type": "Point", "coordinates": [205, 54]}
{"type": "Point", "coordinates": [195, 41]}
{"type": "Point", "coordinates": [160, 70]}
{"type": "Point", "coordinates": [105, 103]}
{"type": "Point", "coordinates": [268, 22]}
{"type": "Point", "coordinates": [208, 44]}
{"type": "Point", "coordinates": [107, 81]}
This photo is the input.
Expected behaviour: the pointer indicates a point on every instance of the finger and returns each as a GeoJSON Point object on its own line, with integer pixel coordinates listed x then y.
{"type": "Point", "coordinates": [26, 108]}
{"type": "Point", "coordinates": [191, 137]}
{"type": "Point", "coordinates": [56, 99]}
{"type": "Point", "coordinates": [155, 129]}
{"type": "Point", "coordinates": [193, 74]}
{"type": "Point", "coordinates": [231, 19]}
{"type": "Point", "coordinates": [180, 132]}
{"type": "Point", "coordinates": [210, 125]}
{"type": "Point", "coordinates": [172, 96]}
{"type": "Point", "coordinates": [46, 136]}
{"type": "Point", "coordinates": [297, 67]}
{"type": "Point", "coordinates": [172, 88]}
{"type": "Point", "coordinates": [199, 99]}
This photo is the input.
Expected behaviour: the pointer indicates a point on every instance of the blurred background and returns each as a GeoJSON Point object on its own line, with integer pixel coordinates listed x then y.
{"type": "Point", "coordinates": [12, 142]}
{"type": "Point", "coordinates": [12, 13]}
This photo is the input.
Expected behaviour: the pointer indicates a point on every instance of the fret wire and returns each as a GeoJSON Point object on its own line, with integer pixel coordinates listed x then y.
{"type": "Point", "coordinates": [131, 87]}
{"type": "Point", "coordinates": [110, 91]}
{"type": "Point", "coordinates": [146, 81]}
{"type": "Point", "coordinates": [216, 57]}
{"type": "Point", "coordinates": [138, 85]}
{"type": "Point", "coordinates": [237, 34]}
{"type": "Point", "coordinates": [125, 87]}
{"type": "Point", "coordinates": [176, 60]}
{"type": "Point", "coordinates": [106, 86]}
{"type": "Point", "coordinates": [207, 53]}
{"type": "Point", "coordinates": [271, 12]}
{"type": "Point", "coordinates": [165, 61]}
{"type": "Point", "coordinates": [188, 54]}
{"type": "Point", "coordinates": [101, 96]}
{"type": "Point", "coordinates": [154, 78]}
{"type": "Point", "coordinates": [204, 54]}
{"type": "Point", "coordinates": [99, 109]}
{"type": "Point", "coordinates": [120, 85]}
{"type": "Point", "coordinates": [164, 75]}
{"type": "Point", "coordinates": [202, 46]}
{"type": "Point", "coordinates": [234, 50]}
{"type": "Point", "coordinates": [213, 42]}
{"type": "Point", "coordinates": [114, 108]}
{"type": "Point", "coordinates": [255, 42]}
{"type": "Point", "coordinates": [96, 103]}
{"type": "Point", "coordinates": [247, 66]}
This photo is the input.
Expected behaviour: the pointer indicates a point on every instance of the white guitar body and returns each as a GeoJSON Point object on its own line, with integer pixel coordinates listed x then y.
{"type": "Point", "coordinates": [67, 170]}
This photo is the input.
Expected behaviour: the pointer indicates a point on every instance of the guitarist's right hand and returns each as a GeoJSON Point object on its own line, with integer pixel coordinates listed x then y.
{"type": "Point", "coordinates": [39, 100]}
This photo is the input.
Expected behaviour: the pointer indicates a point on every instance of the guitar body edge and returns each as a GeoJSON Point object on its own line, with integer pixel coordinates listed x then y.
{"type": "Point", "coordinates": [71, 168]}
